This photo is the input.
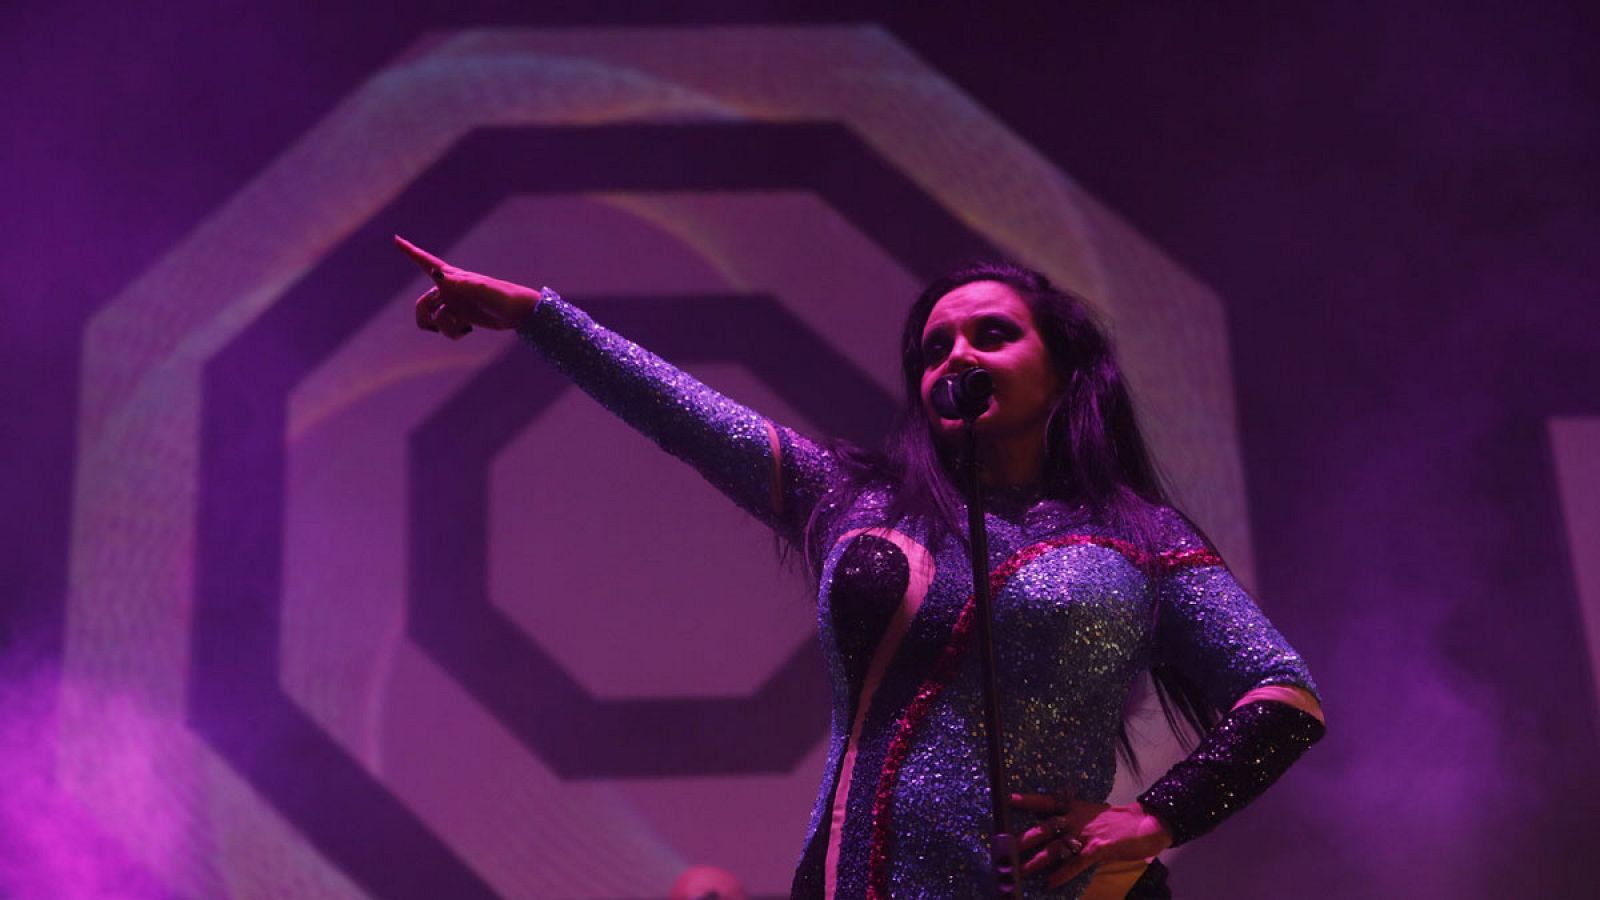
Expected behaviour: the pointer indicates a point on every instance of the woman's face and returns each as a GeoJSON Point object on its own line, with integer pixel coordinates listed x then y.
{"type": "Point", "coordinates": [986, 324]}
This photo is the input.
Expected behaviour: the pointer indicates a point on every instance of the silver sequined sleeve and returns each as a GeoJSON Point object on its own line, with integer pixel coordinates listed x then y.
{"type": "Point", "coordinates": [729, 444]}
{"type": "Point", "coordinates": [1211, 629]}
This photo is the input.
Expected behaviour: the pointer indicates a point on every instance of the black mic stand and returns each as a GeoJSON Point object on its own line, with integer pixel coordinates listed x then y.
{"type": "Point", "coordinates": [1003, 845]}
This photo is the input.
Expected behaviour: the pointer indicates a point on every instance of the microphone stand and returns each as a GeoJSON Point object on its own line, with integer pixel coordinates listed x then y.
{"type": "Point", "coordinates": [1003, 845]}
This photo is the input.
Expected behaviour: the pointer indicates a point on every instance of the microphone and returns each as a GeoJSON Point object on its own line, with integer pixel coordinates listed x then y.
{"type": "Point", "coordinates": [962, 395]}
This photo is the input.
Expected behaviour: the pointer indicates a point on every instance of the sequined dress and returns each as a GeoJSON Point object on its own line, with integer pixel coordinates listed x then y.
{"type": "Point", "coordinates": [903, 807]}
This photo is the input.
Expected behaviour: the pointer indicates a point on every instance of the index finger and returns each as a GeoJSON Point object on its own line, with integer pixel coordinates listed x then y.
{"type": "Point", "coordinates": [421, 257]}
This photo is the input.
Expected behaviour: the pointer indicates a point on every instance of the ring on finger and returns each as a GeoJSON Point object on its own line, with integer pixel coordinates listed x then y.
{"type": "Point", "coordinates": [1065, 849]}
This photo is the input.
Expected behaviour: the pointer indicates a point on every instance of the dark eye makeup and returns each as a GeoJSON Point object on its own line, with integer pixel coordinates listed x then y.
{"type": "Point", "coordinates": [998, 327]}
{"type": "Point", "coordinates": [988, 332]}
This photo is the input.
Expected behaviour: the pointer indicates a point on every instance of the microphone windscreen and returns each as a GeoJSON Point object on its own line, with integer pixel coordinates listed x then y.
{"type": "Point", "coordinates": [943, 397]}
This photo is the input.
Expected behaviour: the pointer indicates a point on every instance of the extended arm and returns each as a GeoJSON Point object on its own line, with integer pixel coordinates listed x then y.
{"type": "Point", "coordinates": [771, 471]}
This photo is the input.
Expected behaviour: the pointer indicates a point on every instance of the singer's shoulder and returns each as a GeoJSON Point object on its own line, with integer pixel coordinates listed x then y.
{"type": "Point", "coordinates": [1177, 536]}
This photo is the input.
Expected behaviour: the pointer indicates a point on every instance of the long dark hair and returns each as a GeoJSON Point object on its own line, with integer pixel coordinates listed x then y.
{"type": "Point", "coordinates": [1095, 454]}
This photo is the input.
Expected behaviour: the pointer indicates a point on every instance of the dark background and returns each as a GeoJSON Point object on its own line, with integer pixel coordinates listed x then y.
{"type": "Point", "coordinates": [1395, 201]}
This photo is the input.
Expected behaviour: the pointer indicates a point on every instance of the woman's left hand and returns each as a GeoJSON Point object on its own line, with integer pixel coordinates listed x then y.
{"type": "Point", "coordinates": [1078, 834]}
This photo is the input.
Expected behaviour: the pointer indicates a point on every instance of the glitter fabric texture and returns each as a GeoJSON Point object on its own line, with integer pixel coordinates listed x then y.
{"type": "Point", "coordinates": [871, 577]}
{"type": "Point", "coordinates": [1239, 759]}
{"type": "Point", "coordinates": [1077, 619]}
{"type": "Point", "coordinates": [878, 886]}
{"type": "Point", "coordinates": [729, 445]}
